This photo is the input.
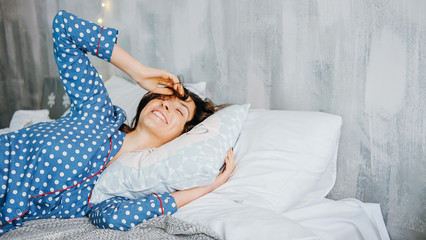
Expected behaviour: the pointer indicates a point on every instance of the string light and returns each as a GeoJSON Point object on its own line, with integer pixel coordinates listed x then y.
{"type": "Point", "coordinates": [100, 19]}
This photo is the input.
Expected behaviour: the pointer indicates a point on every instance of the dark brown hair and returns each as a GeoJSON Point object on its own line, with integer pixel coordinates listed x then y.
{"type": "Point", "coordinates": [203, 109]}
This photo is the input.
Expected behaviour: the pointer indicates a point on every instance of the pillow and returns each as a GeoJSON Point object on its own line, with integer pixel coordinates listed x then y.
{"type": "Point", "coordinates": [127, 95]}
{"type": "Point", "coordinates": [26, 118]}
{"type": "Point", "coordinates": [284, 158]}
{"type": "Point", "coordinates": [4, 131]}
{"type": "Point", "coordinates": [193, 159]}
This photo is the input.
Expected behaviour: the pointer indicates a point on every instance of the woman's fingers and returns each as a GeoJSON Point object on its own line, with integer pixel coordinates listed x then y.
{"type": "Point", "coordinates": [229, 163]}
{"type": "Point", "coordinates": [170, 83]}
{"type": "Point", "coordinates": [231, 158]}
{"type": "Point", "coordinates": [163, 91]}
{"type": "Point", "coordinates": [153, 79]}
{"type": "Point", "coordinates": [228, 166]}
{"type": "Point", "coordinates": [161, 86]}
{"type": "Point", "coordinates": [175, 84]}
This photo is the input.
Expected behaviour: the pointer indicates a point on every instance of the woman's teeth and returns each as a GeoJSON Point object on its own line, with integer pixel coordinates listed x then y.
{"type": "Point", "coordinates": [160, 115]}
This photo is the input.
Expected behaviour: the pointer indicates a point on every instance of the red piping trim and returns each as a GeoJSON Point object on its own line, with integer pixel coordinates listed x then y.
{"type": "Point", "coordinates": [88, 200]}
{"type": "Point", "coordinates": [14, 219]}
{"type": "Point", "coordinates": [99, 42]}
{"type": "Point", "coordinates": [161, 203]}
{"type": "Point", "coordinates": [82, 180]}
{"type": "Point", "coordinates": [103, 167]}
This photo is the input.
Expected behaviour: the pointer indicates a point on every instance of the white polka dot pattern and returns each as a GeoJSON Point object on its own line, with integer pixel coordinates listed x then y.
{"type": "Point", "coordinates": [48, 170]}
{"type": "Point", "coordinates": [122, 214]}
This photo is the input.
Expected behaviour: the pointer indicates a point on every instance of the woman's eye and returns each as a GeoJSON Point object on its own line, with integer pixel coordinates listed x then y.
{"type": "Point", "coordinates": [181, 113]}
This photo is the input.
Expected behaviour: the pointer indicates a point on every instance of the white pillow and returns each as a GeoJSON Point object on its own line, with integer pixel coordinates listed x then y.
{"type": "Point", "coordinates": [4, 131]}
{"type": "Point", "coordinates": [127, 95]}
{"type": "Point", "coordinates": [191, 160]}
{"type": "Point", "coordinates": [26, 118]}
{"type": "Point", "coordinates": [284, 158]}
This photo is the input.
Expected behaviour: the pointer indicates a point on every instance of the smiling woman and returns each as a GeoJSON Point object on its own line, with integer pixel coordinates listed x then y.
{"type": "Point", "coordinates": [161, 118]}
{"type": "Point", "coordinates": [165, 118]}
{"type": "Point", "coordinates": [50, 169]}
{"type": "Point", "coordinates": [191, 105]}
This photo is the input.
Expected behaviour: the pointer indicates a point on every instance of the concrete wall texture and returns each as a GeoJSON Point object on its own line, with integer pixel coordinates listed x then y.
{"type": "Point", "coordinates": [361, 59]}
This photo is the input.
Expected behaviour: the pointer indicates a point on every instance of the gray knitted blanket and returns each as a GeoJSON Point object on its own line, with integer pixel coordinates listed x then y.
{"type": "Point", "coordinates": [162, 227]}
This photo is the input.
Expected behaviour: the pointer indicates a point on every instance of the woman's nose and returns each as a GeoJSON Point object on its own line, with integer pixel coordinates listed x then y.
{"type": "Point", "coordinates": [166, 105]}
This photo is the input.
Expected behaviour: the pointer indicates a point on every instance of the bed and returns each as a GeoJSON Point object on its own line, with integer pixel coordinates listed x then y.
{"type": "Point", "coordinates": [286, 165]}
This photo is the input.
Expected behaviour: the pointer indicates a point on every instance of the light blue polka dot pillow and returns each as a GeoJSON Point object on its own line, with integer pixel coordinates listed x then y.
{"type": "Point", "coordinates": [191, 160]}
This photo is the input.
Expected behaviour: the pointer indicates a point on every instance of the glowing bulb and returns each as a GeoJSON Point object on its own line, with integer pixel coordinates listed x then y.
{"type": "Point", "coordinates": [100, 20]}
{"type": "Point", "coordinates": [103, 4]}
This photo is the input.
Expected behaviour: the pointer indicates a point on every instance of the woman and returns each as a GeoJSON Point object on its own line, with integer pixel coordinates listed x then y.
{"type": "Point", "coordinates": [49, 169]}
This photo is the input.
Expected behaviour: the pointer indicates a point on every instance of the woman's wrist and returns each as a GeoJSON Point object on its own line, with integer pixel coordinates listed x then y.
{"type": "Point", "coordinates": [151, 79]}
{"type": "Point", "coordinates": [183, 197]}
{"type": "Point", "coordinates": [138, 73]}
{"type": "Point", "coordinates": [127, 63]}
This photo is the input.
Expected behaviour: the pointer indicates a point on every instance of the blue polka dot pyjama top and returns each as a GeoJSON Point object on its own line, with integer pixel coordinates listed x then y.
{"type": "Point", "coordinates": [48, 170]}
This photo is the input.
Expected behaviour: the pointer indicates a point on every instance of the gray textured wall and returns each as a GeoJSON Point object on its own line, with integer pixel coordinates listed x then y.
{"type": "Point", "coordinates": [361, 59]}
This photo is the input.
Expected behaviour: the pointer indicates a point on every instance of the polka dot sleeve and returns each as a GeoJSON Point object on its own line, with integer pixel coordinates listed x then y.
{"type": "Point", "coordinates": [73, 38]}
{"type": "Point", "coordinates": [122, 214]}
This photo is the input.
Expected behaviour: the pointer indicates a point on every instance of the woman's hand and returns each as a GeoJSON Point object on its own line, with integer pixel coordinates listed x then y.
{"type": "Point", "coordinates": [149, 78]}
{"type": "Point", "coordinates": [185, 196]}
{"type": "Point", "coordinates": [229, 169]}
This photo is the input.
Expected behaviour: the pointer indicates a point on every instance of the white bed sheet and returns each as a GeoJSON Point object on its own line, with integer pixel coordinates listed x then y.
{"type": "Point", "coordinates": [4, 130]}
{"type": "Point", "coordinates": [343, 219]}
{"type": "Point", "coordinates": [325, 219]}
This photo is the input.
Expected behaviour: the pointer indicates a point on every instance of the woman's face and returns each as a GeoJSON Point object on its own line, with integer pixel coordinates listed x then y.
{"type": "Point", "coordinates": [166, 117]}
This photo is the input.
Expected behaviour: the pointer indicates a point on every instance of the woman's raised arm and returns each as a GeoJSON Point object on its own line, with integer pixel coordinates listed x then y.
{"type": "Point", "coordinates": [147, 77]}
{"type": "Point", "coordinates": [73, 38]}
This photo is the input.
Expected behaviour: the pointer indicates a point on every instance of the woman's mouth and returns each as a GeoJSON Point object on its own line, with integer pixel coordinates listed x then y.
{"type": "Point", "coordinates": [160, 115]}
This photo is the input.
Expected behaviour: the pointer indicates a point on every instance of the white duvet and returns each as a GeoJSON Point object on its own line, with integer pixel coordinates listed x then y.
{"type": "Point", "coordinates": [347, 219]}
